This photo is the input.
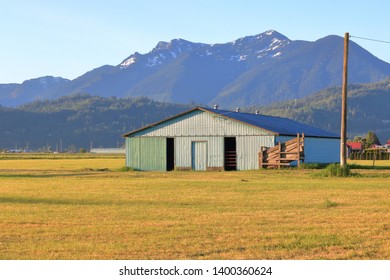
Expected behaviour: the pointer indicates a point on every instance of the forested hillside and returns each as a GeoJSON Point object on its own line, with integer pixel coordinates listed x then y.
{"type": "Point", "coordinates": [76, 121]}
{"type": "Point", "coordinates": [368, 109]}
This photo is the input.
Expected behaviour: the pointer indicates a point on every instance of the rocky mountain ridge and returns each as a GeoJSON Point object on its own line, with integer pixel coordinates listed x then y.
{"type": "Point", "coordinates": [252, 70]}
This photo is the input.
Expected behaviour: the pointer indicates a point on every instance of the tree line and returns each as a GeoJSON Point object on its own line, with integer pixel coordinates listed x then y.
{"type": "Point", "coordinates": [78, 121]}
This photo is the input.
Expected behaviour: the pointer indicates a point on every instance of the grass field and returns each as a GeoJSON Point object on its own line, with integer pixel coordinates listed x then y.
{"type": "Point", "coordinates": [86, 208]}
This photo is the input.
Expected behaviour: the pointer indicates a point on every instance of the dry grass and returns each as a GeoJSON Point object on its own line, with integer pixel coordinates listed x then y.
{"type": "Point", "coordinates": [370, 162]}
{"type": "Point", "coordinates": [67, 209]}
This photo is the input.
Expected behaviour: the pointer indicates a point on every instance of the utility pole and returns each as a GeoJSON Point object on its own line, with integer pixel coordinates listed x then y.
{"type": "Point", "coordinates": [343, 134]}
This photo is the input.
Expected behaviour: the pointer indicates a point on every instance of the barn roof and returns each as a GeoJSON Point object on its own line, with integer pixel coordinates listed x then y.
{"type": "Point", "coordinates": [277, 125]}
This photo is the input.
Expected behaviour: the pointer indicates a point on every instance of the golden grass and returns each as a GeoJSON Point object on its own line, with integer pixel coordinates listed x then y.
{"type": "Point", "coordinates": [59, 209]}
{"type": "Point", "coordinates": [370, 162]}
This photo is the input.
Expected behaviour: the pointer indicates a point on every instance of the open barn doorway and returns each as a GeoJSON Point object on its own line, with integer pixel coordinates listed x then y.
{"type": "Point", "coordinates": [170, 154]}
{"type": "Point", "coordinates": [230, 154]}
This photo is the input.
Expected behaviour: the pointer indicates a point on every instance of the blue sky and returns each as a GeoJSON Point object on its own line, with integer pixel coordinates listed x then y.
{"type": "Point", "coordinates": [69, 38]}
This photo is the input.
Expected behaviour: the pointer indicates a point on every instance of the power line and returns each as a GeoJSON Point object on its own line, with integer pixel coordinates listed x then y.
{"type": "Point", "coordinates": [369, 39]}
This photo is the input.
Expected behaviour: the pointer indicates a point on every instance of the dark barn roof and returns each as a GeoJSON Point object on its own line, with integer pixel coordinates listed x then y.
{"type": "Point", "coordinates": [277, 125]}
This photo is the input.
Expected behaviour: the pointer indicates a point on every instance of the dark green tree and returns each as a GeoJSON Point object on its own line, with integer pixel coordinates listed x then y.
{"type": "Point", "coordinates": [371, 139]}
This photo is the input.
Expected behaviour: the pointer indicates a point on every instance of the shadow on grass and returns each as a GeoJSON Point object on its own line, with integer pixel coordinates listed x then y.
{"type": "Point", "coordinates": [43, 175]}
{"type": "Point", "coordinates": [49, 201]}
{"type": "Point", "coordinates": [144, 204]}
{"type": "Point", "coordinates": [367, 167]}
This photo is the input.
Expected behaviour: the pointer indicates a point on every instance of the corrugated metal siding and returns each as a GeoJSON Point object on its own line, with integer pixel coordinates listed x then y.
{"type": "Point", "coordinates": [281, 126]}
{"type": "Point", "coordinates": [146, 149]}
{"type": "Point", "coordinates": [128, 150]}
{"type": "Point", "coordinates": [318, 150]}
{"type": "Point", "coordinates": [133, 152]}
{"type": "Point", "coordinates": [183, 151]}
{"type": "Point", "coordinates": [146, 153]}
{"type": "Point", "coordinates": [248, 148]}
{"type": "Point", "coordinates": [200, 123]}
{"type": "Point", "coordinates": [247, 151]}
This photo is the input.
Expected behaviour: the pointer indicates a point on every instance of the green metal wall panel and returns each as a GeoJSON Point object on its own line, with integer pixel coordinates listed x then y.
{"type": "Point", "coordinates": [132, 152]}
{"type": "Point", "coordinates": [153, 153]}
{"type": "Point", "coordinates": [146, 153]}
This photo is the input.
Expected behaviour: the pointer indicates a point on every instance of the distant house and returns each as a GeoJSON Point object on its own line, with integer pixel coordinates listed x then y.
{"type": "Point", "coordinates": [213, 139]}
{"type": "Point", "coordinates": [376, 146]}
{"type": "Point", "coordinates": [354, 146]}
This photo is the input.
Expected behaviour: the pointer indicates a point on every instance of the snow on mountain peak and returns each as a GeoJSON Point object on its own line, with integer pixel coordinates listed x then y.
{"type": "Point", "coordinates": [276, 43]}
{"type": "Point", "coordinates": [175, 44]}
{"type": "Point", "coordinates": [261, 46]}
{"type": "Point", "coordinates": [130, 60]}
{"type": "Point", "coordinates": [127, 62]}
{"type": "Point", "coordinates": [269, 32]}
{"type": "Point", "coordinates": [162, 45]}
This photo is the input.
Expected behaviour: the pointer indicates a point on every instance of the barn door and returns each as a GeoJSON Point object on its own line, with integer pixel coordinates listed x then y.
{"type": "Point", "coordinates": [199, 155]}
{"type": "Point", "coordinates": [230, 153]}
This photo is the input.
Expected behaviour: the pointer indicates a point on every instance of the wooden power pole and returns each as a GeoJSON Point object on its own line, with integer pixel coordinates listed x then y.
{"type": "Point", "coordinates": [343, 142]}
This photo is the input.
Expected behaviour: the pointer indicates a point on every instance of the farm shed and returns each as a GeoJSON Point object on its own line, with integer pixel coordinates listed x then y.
{"type": "Point", "coordinates": [213, 139]}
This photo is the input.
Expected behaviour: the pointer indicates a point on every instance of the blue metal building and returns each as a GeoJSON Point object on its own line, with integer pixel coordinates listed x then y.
{"type": "Point", "coordinates": [212, 139]}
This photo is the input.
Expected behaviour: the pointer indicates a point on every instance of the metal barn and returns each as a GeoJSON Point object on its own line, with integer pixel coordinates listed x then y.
{"type": "Point", "coordinates": [212, 139]}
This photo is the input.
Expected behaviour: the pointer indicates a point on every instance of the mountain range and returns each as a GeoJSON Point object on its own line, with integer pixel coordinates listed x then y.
{"type": "Point", "coordinates": [253, 70]}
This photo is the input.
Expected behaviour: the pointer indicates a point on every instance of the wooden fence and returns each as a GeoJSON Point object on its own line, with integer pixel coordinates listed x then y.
{"type": "Point", "coordinates": [283, 154]}
{"type": "Point", "coordinates": [370, 154]}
